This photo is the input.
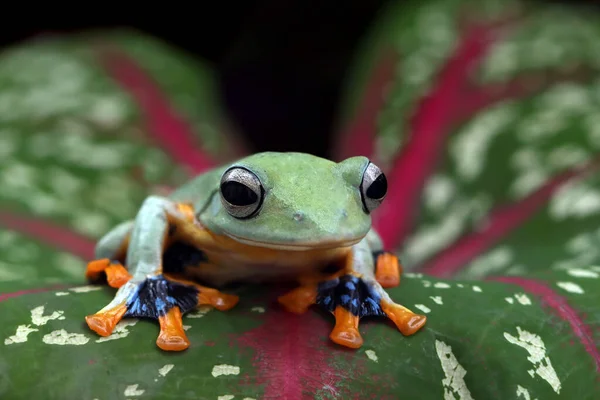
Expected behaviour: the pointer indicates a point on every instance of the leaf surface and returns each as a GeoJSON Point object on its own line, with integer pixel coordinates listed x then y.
{"type": "Point", "coordinates": [490, 151]}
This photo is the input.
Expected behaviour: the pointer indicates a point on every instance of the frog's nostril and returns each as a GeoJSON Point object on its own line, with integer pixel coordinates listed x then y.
{"type": "Point", "coordinates": [298, 216]}
{"type": "Point", "coordinates": [344, 214]}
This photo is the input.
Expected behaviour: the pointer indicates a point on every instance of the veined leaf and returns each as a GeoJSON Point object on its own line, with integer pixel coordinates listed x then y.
{"type": "Point", "coordinates": [492, 206]}
{"type": "Point", "coordinates": [523, 336]}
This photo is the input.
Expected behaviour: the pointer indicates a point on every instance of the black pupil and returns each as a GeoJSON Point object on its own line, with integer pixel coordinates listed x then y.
{"type": "Point", "coordinates": [378, 188]}
{"type": "Point", "coordinates": [238, 194]}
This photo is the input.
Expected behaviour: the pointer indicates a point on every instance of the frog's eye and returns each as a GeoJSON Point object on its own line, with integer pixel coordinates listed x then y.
{"type": "Point", "coordinates": [241, 192]}
{"type": "Point", "coordinates": [373, 187]}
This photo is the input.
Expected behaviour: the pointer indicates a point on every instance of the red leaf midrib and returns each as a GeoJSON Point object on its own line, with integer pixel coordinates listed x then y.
{"type": "Point", "coordinates": [358, 136]}
{"type": "Point", "coordinates": [50, 233]}
{"type": "Point", "coordinates": [291, 361]}
{"type": "Point", "coordinates": [431, 124]}
{"type": "Point", "coordinates": [172, 132]}
{"type": "Point", "coordinates": [499, 223]}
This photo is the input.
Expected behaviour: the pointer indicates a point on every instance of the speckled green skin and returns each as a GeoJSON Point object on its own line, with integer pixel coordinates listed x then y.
{"type": "Point", "coordinates": [327, 194]}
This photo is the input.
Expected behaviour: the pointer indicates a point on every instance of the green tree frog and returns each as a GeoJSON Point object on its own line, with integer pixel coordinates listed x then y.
{"type": "Point", "coordinates": [267, 217]}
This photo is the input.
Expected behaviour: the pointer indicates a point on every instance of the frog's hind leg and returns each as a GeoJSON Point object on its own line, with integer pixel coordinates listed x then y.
{"type": "Point", "coordinates": [110, 253]}
{"type": "Point", "coordinates": [352, 294]}
{"type": "Point", "coordinates": [149, 293]}
{"type": "Point", "coordinates": [350, 298]}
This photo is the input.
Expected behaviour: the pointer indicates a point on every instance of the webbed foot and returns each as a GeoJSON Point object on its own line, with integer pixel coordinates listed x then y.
{"type": "Point", "coordinates": [350, 298]}
{"type": "Point", "coordinates": [163, 298]}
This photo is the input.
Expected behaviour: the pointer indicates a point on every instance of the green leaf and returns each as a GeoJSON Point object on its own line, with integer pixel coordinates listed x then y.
{"type": "Point", "coordinates": [490, 151]}
{"type": "Point", "coordinates": [27, 264]}
{"type": "Point", "coordinates": [496, 220]}
{"type": "Point", "coordinates": [511, 340]}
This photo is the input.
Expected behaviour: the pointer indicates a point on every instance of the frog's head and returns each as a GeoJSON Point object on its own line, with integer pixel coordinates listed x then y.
{"type": "Point", "coordinates": [297, 201]}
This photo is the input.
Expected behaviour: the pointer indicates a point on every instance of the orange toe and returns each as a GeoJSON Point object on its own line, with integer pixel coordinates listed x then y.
{"type": "Point", "coordinates": [349, 338]}
{"type": "Point", "coordinates": [117, 275]}
{"type": "Point", "coordinates": [407, 322]}
{"type": "Point", "coordinates": [104, 322]}
{"type": "Point", "coordinates": [96, 267]}
{"type": "Point", "coordinates": [172, 336]}
{"type": "Point", "coordinates": [388, 270]}
{"type": "Point", "coordinates": [299, 300]}
{"type": "Point", "coordinates": [388, 281]}
{"type": "Point", "coordinates": [172, 342]}
{"type": "Point", "coordinates": [346, 332]}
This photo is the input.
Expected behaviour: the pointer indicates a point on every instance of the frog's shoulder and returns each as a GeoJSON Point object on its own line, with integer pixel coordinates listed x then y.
{"type": "Point", "coordinates": [200, 188]}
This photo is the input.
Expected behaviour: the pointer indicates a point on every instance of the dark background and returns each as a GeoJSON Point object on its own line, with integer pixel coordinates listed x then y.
{"type": "Point", "coordinates": [281, 62]}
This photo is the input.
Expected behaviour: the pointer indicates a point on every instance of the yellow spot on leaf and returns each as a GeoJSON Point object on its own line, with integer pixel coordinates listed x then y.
{"type": "Point", "coordinates": [454, 383]}
{"type": "Point", "coordinates": [85, 289]}
{"type": "Point", "coordinates": [582, 273]}
{"type": "Point", "coordinates": [224, 369]}
{"type": "Point", "coordinates": [523, 299]}
{"type": "Point", "coordinates": [120, 331]}
{"type": "Point", "coordinates": [423, 308]}
{"type": "Point", "coordinates": [165, 370]}
{"type": "Point", "coordinates": [570, 287]}
{"type": "Point", "coordinates": [536, 348]}
{"type": "Point", "coordinates": [38, 317]}
{"type": "Point", "coordinates": [522, 392]}
{"type": "Point", "coordinates": [62, 337]}
{"type": "Point", "coordinates": [200, 312]}
{"type": "Point", "coordinates": [371, 355]}
{"type": "Point", "coordinates": [132, 390]}
{"type": "Point", "coordinates": [21, 335]}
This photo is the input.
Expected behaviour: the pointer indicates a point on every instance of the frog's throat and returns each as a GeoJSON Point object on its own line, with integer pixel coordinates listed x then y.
{"type": "Point", "coordinates": [300, 246]}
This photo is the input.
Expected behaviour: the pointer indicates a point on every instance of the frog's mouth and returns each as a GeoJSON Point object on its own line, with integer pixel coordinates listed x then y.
{"type": "Point", "coordinates": [297, 246]}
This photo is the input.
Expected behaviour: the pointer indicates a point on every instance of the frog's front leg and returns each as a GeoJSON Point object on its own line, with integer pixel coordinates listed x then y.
{"type": "Point", "coordinates": [352, 294]}
{"type": "Point", "coordinates": [148, 293]}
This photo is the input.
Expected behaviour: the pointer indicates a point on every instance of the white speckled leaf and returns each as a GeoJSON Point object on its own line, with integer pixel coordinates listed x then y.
{"type": "Point", "coordinates": [492, 168]}
{"type": "Point", "coordinates": [484, 196]}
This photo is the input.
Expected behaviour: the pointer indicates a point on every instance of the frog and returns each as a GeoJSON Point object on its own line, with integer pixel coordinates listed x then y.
{"type": "Point", "coordinates": [268, 218]}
